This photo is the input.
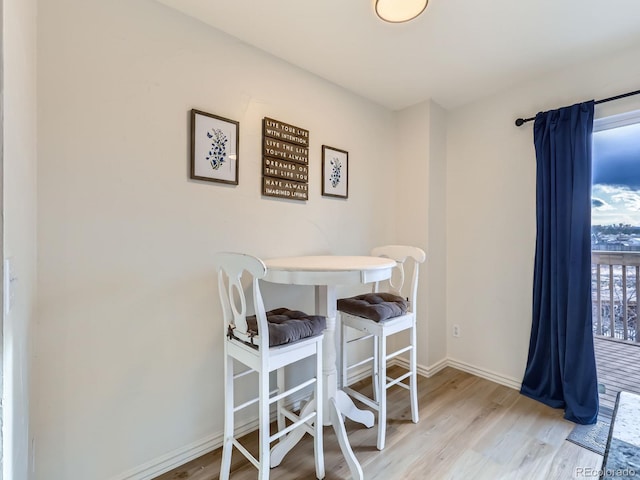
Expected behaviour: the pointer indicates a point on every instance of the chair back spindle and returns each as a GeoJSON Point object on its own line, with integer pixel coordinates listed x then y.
{"type": "Point", "coordinates": [400, 253]}
{"type": "Point", "coordinates": [233, 298]}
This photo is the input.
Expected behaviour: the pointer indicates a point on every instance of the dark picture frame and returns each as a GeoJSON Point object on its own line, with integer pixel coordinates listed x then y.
{"type": "Point", "coordinates": [335, 172]}
{"type": "Point", "coordinates": [215, 143]}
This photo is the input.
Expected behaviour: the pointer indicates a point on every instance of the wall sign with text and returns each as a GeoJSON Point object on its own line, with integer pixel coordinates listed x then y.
{"type": "Point", "coordinates": [285, 160]}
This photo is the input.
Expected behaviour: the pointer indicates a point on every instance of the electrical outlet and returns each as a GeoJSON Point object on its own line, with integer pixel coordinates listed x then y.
{"type": "Point", "coordinates": [456, 330]}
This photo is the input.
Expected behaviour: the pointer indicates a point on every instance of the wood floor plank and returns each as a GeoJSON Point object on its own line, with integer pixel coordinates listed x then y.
{"type": "Point", "coordinates": [469, 428]}
{"type": "Point", "coordinates": [618, 368]}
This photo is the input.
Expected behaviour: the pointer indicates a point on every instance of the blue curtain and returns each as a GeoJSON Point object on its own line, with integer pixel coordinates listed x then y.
{"type": "Point", "coordinates": [561, 367]}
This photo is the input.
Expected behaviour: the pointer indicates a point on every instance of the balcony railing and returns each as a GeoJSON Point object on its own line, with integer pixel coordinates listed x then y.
{"type": "Point", "coordinates": [614, 281]}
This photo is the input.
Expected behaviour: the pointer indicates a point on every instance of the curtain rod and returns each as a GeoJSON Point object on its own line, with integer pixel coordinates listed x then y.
{"type": "Point", "coordinates": [522, 121]}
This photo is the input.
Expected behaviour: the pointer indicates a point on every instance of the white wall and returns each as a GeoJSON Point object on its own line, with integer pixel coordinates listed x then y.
{"type": "Point", "coordinates": [436, 267]}
{"type": "Point", "coordinates": [19, 209]}
{"type": "Point", "coordinates": [491, 209]}
{"type": "Point", "coordinates": [420, 210]}
{"type": "Point", "coordinates": [129, 346]}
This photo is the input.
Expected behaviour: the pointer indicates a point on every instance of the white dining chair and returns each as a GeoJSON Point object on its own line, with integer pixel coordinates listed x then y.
{"type": "Point", "coordinates": [378, 315]}
{"type": "Point", "coordinates": [265, 342]}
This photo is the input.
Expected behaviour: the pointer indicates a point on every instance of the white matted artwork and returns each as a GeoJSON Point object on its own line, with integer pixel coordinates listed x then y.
{"type": "Point", "coordinates": [214, 148]}
{"type": "Point", "coordinates": [335, 172]}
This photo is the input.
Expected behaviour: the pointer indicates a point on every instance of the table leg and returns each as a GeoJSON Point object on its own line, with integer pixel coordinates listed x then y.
{"type": "Point", "coordinates": [336, 402]}
{"type": "Point", "coordinates": [345, 405]}
{"type": "Point", "coordinates": [338, 427]}
{"type": "Point", "coordinates": [326, 306]}
{"type": "Point", "coordinates": [326, 302]}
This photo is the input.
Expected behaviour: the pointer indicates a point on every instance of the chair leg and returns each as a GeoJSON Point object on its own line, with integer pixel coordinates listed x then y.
{"type": "Point", "coordinates": [375, 377]}
{"type": "Point", "coordinates": [343, 356]}
{"type": "Point", "coordinates": [382, 390]}
{"type": "Point", "coordinates": [413, 383]}
{"type": "Point", "coordinates": [263, 434]}
{"type": "Point", "coordinates": [227, 444]}
{"type": "Point", "coordinates": [280, 403]}
{"type": "Point", "coordinates": [318, 442]}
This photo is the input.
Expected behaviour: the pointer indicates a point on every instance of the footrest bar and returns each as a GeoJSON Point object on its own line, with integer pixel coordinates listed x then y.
{"type": "Point", "coordinates": [292, 390]}
{"type": "Point", "coordinates": [360, 397]}
{"type": "Point", "coordinates": [366, 360]}
{"type": "Point", "coordinates": [251, 402]}
{"type": "Point", "coordinates": [364, 337]}
{"type": "Point", "coordinates": [293, 426]}
{"type": "Point", "coordinates": [246, 453]}
{"type": "Point", "coordinates": [398, 380]}
{"type": "Point", "coordinates": [398, 352]}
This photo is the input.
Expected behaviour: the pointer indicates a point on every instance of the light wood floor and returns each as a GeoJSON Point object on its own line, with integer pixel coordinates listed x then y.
{"type": "Point", "coordinates": [469, 428]}
{"type": "Point", "coordinates": [618, 366]}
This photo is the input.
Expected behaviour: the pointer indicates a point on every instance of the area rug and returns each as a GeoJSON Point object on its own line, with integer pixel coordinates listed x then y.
{"type": "Point", "coordinates": [592, 437]}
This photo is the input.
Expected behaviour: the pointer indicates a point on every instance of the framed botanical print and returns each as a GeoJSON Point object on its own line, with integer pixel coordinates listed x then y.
{"type": "Point", "coordinates": [214, 148]}
{"type": "Point", "coordinates": [335, 172]}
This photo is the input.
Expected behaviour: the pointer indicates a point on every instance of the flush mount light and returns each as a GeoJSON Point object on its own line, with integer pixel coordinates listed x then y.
{"type": "Point", "coordinates": [398, 11]}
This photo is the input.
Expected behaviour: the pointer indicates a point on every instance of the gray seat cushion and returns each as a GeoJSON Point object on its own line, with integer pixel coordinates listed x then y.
{"type": "Point", "coordinates": [374, 306]}
{"type": "Point", "coordinates": [288, 326]}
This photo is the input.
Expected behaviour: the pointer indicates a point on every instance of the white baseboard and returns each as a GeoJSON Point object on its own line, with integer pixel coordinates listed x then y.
{"type": "Point", "coordinates": [171, 460]}
{"type": "Point", "coordinates": [463, 366]}
{"type": "Point", "coordinates": [484, 373]}
{"type": "Point", "coordinates": [359, 374]}
{"type": "Point", "coordinates": [174, 459]}
{"type": "Point", "coordinates": [421, 369]}
{"type": "Point", "coordinates": [365, 372]}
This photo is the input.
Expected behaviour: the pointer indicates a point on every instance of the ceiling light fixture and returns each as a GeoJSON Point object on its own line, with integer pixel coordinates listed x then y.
{"type": "Point", "coordinates": [398, 11]}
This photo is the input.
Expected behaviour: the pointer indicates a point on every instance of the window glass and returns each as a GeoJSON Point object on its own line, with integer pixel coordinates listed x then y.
{"type": "Point", "coordinates": [615, 198]}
